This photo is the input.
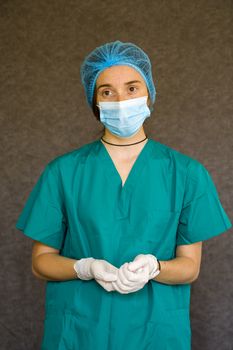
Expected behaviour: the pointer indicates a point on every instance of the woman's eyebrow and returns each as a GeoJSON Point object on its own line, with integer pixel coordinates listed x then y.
{"type": "Point", "coordinates": [129, 82]}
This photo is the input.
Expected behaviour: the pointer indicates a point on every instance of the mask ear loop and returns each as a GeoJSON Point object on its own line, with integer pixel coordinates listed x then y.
{"type": "Point", "coordinates": [151, 108]}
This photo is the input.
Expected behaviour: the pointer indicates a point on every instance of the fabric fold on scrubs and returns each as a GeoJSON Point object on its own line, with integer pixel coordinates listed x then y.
{"type": "Point", "coordinates": [42, 217]}
{"type": "Point", "coordinates": [202, 215]}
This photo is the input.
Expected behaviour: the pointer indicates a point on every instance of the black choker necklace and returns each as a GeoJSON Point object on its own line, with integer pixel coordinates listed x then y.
{"type": "Point", "coordinates": [129, 144]}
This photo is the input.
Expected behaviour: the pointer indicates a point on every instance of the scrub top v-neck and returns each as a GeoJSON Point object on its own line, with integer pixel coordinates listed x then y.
{"type": "Point", "coordinates": [79, 206]}
{"type": "Point", "coordinates": [113, 177]}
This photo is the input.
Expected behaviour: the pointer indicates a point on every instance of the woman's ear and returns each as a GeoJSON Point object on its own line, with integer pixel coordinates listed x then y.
{"type": "Point", "coordinates": [94, 107]}
{"type": "Point", "coordinates": [148, 101]}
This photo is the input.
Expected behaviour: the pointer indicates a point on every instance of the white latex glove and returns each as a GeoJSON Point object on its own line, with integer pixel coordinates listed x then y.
{"type": "Point", "coordinates": [143, 260]}
{"type": "Point", "coordinates": [101, 270]}
{"type": "Point", "coordinates": [128, 281]}
{"type": "Point", "coordinates": [134, 275]}
{"type": "Point", "coordinates": [108, 286]}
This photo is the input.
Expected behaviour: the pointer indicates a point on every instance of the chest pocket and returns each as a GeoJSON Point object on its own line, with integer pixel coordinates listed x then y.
{"type": "Point", "coordinates": [160, 234]}
{"type": "Point", "coordinates": [154, 234]}
{"type": "Point", "coordinates": [160, 225]}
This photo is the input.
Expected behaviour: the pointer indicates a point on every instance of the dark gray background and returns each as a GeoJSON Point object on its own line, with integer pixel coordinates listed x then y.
{"type": "Point", "coordinates": [44, 114]}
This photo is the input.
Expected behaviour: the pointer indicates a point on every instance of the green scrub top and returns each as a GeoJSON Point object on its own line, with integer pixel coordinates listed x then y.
{"type": "Point", "coordinates": [79, 206]}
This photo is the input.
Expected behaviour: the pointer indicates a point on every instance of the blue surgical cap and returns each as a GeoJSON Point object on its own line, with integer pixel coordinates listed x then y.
{"type": "Point", "coordinates": [111, 54]}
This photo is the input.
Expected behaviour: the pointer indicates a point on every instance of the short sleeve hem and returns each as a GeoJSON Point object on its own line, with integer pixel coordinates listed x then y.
{"type": "Point", "coordinates": [42, 217]}
{"type": "Point", "coordinates": [182, 240]}
{"type": "Point", "coordinates": [48, 240]}
{"type": "Point", "coordinates": [202, 216]}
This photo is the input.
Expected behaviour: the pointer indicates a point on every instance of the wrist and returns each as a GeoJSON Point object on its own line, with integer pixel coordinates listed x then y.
{"type": "Point", "coordinates": [156, 267]}
{"type": "Point", "coordinates": [159, 265]}
{"type": "Point", "coordinates": [82, 268]}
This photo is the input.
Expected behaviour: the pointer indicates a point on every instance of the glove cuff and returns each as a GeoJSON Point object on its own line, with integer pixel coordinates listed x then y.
{"type": "Point", "coordinates": [82, 268]}
{"type": "Point", "coordinates": [156, 267]}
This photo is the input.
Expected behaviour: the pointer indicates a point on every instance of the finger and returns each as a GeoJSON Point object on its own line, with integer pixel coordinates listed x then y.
{"type": "Point", "coordinates": [122, 282]}
{"type": "Point", "coordinates": [125, 277]}
{"type": "Point", "coordinates": [106, 285]}
{"type": "Point", "coordinates": [118, 289]}
{"type": "Point", "coordinates": [104, 276]}
{"type": "Point", "coordinates": [137, 287]}
{"type": "Point", "coordinates": [109, 277]}
{"type": "Point", "coordinates": [143, 274]}
{"type": "Point", "coordinates": [140, 269]}
{"type": "Point", "coordinates": [104, 271]}
{"type": "Point", "coordinates": [131, 290]}
{"type": "Point", "coordinates": [122, 288]}
{"type": "Point", "coordinates": [110, 268]}
{"type": "Point", "coordinates": [131, 277]}
{"type": "Point", "coordinates": [136, 264]}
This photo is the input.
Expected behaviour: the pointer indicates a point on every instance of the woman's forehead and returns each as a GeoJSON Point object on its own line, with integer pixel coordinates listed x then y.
{"type": "Point", "coordinates": [117, 74]}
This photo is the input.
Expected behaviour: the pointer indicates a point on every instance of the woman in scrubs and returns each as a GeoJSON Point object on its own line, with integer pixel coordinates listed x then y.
{"type": "Point", "coordinates": [118, 223]}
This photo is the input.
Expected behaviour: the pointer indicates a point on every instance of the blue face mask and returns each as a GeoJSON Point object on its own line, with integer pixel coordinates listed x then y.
{"type": "Point", "coordinates": [124, 118]}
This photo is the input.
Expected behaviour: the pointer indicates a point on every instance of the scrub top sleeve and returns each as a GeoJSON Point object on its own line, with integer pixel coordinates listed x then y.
{"type": "Point", "coordinates": [202, 215]}
{"type": "Point", "coordinates": [42, 217]}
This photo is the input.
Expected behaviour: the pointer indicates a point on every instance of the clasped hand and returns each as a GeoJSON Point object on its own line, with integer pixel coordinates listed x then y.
{"type": "Point", "coordinates": [131, 276]}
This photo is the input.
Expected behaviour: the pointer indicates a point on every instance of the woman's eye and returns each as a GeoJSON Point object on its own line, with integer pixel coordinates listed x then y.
{"type": "Point", "coordinates": [106, 93]}
{"type": "Point", "coordinates": [133, 88]}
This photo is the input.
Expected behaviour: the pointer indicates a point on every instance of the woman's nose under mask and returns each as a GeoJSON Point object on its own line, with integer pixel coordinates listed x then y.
{"type": "Point", "coordinates": [124, 118]}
